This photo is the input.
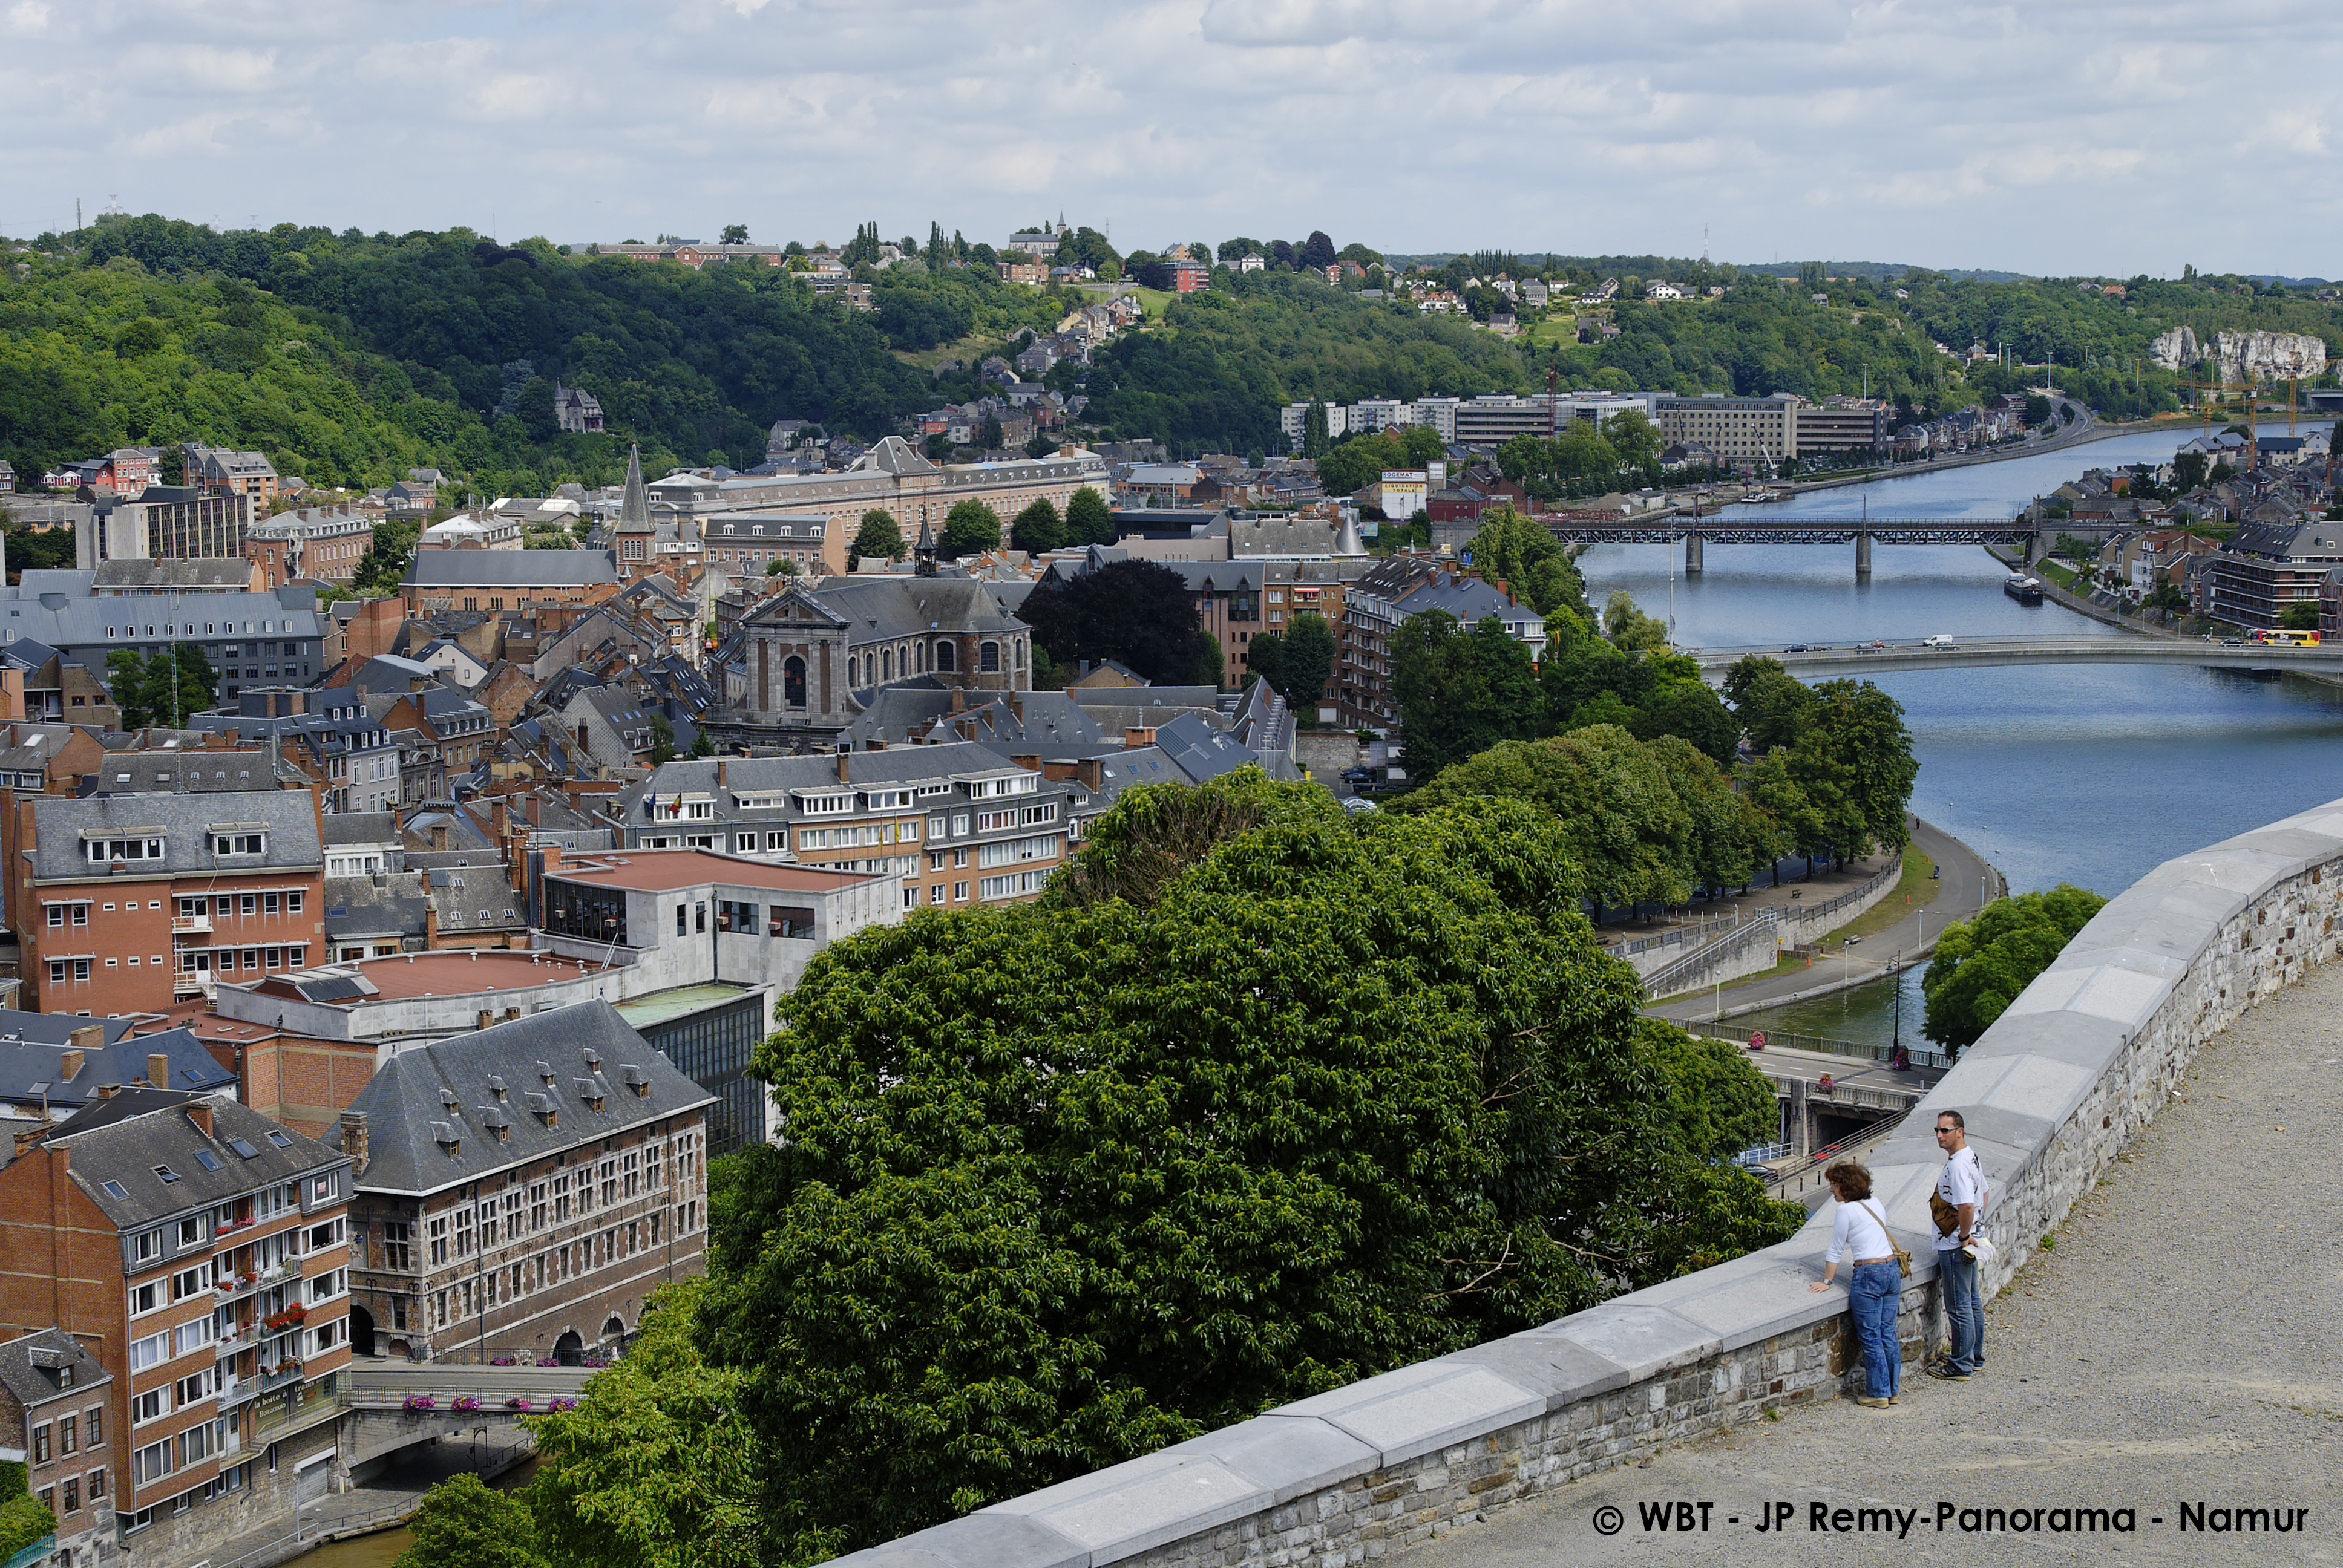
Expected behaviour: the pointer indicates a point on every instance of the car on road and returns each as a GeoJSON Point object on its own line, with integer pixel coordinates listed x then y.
{"type": "Point", "coordinates": [2233, 642]}
{"type": "Point", "coordinates": [1357, 805]}
{"type": "Point", "coordinates": [1941, 640]}
{"type": "Point", "coordinates": [1358, 775]}
{"type": "Point", "coordinates": [1795, 648]}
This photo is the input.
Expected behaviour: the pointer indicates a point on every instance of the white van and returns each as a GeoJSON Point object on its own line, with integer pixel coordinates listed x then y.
{"type": "Point", "coordinates": [1940, 640]}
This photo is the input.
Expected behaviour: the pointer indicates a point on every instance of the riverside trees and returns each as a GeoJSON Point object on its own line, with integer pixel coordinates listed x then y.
{"type": "Point", "coordinates": [1982, 963]}
{"type": "Point", "coordinates": [1265, 1100]}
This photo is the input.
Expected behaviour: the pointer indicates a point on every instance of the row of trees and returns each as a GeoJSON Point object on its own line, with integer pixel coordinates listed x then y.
{"type": "Point", "coordinates": [971, 527]}
{"type": "Point", "coordinates": [1641, 759]}
{"type": "Point", "coordinates": [1260, 1099]}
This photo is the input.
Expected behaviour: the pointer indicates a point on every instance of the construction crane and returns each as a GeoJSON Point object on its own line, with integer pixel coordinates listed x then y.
{"type": "Point", "coordinates": [2217, 393]}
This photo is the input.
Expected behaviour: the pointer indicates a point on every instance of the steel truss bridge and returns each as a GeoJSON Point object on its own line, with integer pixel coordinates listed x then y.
{"type": "Point", "coordinates": [1823, 661]}
{"type": "Point", "coordinates": [1775, 531]}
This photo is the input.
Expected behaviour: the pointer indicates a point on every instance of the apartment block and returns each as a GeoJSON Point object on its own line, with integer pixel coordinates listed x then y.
{"type": "Point", "coordinates": [126, 903]}
{"type": "Point", "coordinates": [1741, 430]}
{"type": "Point", "coordinates": [200, 1253]}
{"type": "Point", "coordinates": [954, 825]}
{"type": "Point", "coordinates": [524, 1190]}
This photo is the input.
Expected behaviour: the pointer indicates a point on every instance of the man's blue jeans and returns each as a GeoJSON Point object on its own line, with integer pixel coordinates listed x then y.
{"type": "Point", "coordinates": [1957, 1271]}
{"type": "Point", "coordinates": [1873, 1295]}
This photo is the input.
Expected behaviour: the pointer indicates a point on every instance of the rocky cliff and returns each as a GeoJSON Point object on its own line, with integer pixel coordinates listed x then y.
{"type": "Point", "coordinates": [2243, 357]}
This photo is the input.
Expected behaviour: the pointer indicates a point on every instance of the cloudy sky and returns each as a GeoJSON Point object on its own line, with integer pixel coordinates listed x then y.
{"type": "Point", "coordinates": [2069, 138]}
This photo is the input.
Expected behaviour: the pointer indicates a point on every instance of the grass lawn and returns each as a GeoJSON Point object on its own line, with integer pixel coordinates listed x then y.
{"type": "Point", "coordinates": [1913, 885]}
{"type": "Point", "coordinates": [1153, 301]}
{"type": "Point", "coordinates": [967, 351]}
{"type": "Point", "coordinates": [2064, 576]}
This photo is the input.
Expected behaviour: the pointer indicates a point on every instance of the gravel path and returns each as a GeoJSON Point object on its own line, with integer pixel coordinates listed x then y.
{"type": "Point", "coordinates": [2181, 1344]}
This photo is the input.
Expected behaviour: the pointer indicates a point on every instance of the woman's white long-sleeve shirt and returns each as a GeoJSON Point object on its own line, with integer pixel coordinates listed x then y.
{"type": "Point", "coordinates": [1857, 1229]}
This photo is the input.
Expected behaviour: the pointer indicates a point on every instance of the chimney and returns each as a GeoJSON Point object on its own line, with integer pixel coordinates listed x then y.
{"type": "Point", "coordinates": [353, 1139]}
{"type": "Point", "coordinates": [158, 1071]}
{"type": "Point", "coordinates": [200, 1112]}
{"type": "Point", "coordinates": [1032, 764]}
{"type": "Point", "coordinates": [1091, 772]}
{"type": "Point", "coordinates": [498, 813]}
{"type": "Point", "coordinates": [108, 1090]}
{"type": "Point", "coordinates": [959, 698]}
{"type": "Point", "coordinates": [27, 1138]}
{"type": "Point", "coordinates": [430, 922]}
{"type": "Point", "coordinates": [844, 759]}
{"type": "Point", "coordinates": [88, 1037]}
{"type": "Point", "coordinates": [719, 773]}
{"type": "Point", "coordinates": [439, 836]}
{"type": "Point", "coordinates": [1136, 736]}
{"type": "Point", "coordinates": [68, 1064]}
{"type": "Point", "coordinates": [529, 808]}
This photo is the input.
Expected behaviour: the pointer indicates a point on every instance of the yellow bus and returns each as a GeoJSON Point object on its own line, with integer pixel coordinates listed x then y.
{"type": "Point", "coordinates": [2288, 639]}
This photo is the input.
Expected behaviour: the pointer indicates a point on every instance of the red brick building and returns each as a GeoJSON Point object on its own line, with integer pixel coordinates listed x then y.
{"type": "Point", "coordinates": [124, 903]}
{"type": "Point", "coordinates": [202, 1253]}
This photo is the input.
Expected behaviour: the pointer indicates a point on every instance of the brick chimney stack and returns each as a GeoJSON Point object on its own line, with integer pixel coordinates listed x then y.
{"type": "Point", "coordinates": [353, 1139]}
{"type": "Point", "coordinates": [158, 1071]}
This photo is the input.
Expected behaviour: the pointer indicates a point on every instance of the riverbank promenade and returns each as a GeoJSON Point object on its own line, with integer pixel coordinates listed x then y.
{"type": "Point", "coordinates": [2180, 1343]}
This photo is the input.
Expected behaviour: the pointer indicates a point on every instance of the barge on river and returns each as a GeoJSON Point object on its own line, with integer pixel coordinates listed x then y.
{"type": "Point", "coordinates": [2023, 589]}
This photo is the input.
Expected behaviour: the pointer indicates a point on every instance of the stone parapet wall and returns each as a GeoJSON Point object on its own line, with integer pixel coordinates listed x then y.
{"type": "Point", "coordinates": [2082, 1059]}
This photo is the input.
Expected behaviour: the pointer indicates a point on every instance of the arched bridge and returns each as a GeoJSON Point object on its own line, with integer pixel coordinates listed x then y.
{"type": "Point", "coordinates": [1825, 660]}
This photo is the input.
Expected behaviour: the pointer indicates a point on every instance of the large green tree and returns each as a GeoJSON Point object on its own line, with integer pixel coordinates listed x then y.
{"type": "Point", "coordinates": [1523, 555]}
{"type": "Point", "coordinates": [164, 688]}
{"type": "Point", "coordinates": [971, 529]}
{"type": "Point", "coordinates": [1317, 1098]}
{"type": "Point", "coordinates": [879, 538]}
{"type": "Point", "coordinates": [1137, 613]}
{"type": "Point", "coordinates": [464, 1524]}
{"type": "Point", "coordinates": [1982, 963]}
{"type": "Point", "coordinates": [1461, 690]}
{"type": "Point", "coordinates": [1088, 520]}
{"type": "Point", "coordinates": [1037, 529]}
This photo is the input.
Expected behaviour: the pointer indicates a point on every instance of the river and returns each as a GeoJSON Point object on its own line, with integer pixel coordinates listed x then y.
{"type": "Point", "coordinates": [2088, 774]}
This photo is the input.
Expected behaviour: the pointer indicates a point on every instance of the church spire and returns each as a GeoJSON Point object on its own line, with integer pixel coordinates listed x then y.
{"type": "Point", "coordinates": [923, 554]}
{"type": "Point", "coordinates": [635, 506]}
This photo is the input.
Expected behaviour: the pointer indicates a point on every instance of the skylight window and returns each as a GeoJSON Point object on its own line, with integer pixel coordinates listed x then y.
{"type": "Point", "coordinates": [115, 1190]}
{"type": "Point", "coordinates": [243, 1148]}
{"type": "Point", "coordinates": [167, 1173]}
{"type": "Point", "coordinates": [281, 1139]}
{"type": "Point", "coordinates": [207, 1160]}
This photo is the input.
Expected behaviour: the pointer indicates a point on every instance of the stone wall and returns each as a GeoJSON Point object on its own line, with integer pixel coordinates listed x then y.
{"type": "Point", "coordinates": [2082, 1059]}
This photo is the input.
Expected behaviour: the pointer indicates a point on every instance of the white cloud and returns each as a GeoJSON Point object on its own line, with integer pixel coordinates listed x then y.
{"type": "Point", "coordinates": [2069, 138]}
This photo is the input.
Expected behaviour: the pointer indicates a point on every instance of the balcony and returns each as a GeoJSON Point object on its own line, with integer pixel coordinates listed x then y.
{"type": "Point", "coordinates": [185, 985]}
{"type": "Point", "coordinates": [236, 1289]}
{"type": "Point", "coordinates": [191, 925]}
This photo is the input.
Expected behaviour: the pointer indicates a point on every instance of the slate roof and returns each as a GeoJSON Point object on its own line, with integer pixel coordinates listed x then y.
{"type": "Point", "coordinates": [511, 568]}
{"type": "Point", "coordinates": [30, 1045]}
{"type": "Point", "coordinates": [772, 775]}
{"type": "Point", "coordinates": [475, 899]}
{"type": "Point", "coordinates": [356, 910]}
{"type": "Point", "coordinates": [53, 1349]}
{"type": "Point", "coordinates": [882, 608]}
{"type": "Point", "coordinates": [63, 615]}
{"type": "Point", "coordinates": [431, 1109]}
{"type": "Point", "coordinates": [197, 574]}
{"type": "Point", "coordinates": [1199, 750]}
{"type": "Point", "coordinates": [124, 1139]}
{"type": "Point", "coordinates": [362, 828]}
{"type": "Point", "coordinates": [288, 816]}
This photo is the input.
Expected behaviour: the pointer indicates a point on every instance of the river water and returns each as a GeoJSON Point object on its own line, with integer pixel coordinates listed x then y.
{"type": "Point", "coordinates": [2088, 774]}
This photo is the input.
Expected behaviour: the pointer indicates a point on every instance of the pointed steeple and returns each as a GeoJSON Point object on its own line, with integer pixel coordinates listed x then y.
{"type": "Point", "coordinates": [923, 554]}
{"type": "Point", "coordinates": [1347, 542]}
{"type": "Point", "coordinates": [635, 505]}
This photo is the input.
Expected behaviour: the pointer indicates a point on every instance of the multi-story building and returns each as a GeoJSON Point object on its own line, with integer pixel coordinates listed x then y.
{"type": "Point", "coordinates": [1396, 590]}
{"type": "Point", "coordinates": [1844, 424]}
{"type": "Point", "coordinates": [954, 825]}
{"type": "Point", "coordinates": [523, 1189]}
{"type": "Point", "coordinates": [56, 1421]}
{"type": "Point", "coordinates": [164, 523]}
{"type": "Point", "coordinates": [201, 1251]}
{"type": "Point", "coordinates": [1743, 431]}
{"type": "Point", "coordinates": [2268, 567]}
{"type": "Point", "coordinates": [476, 580]}
{"type": "Point", "coordinates": [126, 903]}
{"type": "Point", "coordinates": [329, 735]}
{"type": "Point", "coordinates": [222, 470]}
{"type": "Point", "coordinates": [710, 935]}
{"type": "Point", "coordinates": [321, 543]}
{"type": "Point", "coordinates": [246, 636]}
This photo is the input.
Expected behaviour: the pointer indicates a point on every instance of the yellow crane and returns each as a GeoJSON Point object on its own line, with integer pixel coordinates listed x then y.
{"type": "Point", "coordinates": [2216, 394]}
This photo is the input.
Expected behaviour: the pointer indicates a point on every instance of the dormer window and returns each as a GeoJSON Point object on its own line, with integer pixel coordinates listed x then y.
{"type": "Point", "coordinates": [239, 843]}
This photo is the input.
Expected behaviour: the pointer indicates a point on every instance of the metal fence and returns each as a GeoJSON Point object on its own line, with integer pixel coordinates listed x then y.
{"type": "Point", "coordinates": [1921, 1055]}
{"type": "Point", "coordinates": [1692, 933]}
{"type": "Point", "coordinates": [1668, 980]}
{"type": "Point", "coordinates": [1806, 914]}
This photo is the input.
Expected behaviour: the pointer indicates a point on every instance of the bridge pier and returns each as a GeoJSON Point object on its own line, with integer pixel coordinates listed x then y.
{"type": "Point", "coordinates": [1692, 543]}
{"type": "Point", "coordinates": [1863, 555]}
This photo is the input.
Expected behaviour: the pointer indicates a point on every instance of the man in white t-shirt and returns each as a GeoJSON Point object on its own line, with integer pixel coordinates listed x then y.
{"type": "Point", "coordinates": [1961, 1184]}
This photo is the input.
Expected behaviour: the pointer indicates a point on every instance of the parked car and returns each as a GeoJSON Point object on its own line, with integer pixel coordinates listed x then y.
{"type": "Point", "coordinates": [1358, 775]}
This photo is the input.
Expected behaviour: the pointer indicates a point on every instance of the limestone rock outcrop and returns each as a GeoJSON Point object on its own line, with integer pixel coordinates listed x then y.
{"type": "Point", "coordinates": [2243, 358]}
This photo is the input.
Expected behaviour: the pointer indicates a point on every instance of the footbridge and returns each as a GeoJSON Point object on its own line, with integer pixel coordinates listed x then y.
{"type": "Point", "coordinates": [395, 1407]}
{"type": "Point", "coordinates": [1823, 660]}
{"type": "Point", "coordinates": [2022, 535]}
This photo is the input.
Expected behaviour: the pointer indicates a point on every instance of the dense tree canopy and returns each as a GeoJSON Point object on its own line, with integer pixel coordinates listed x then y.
{"type": "Point", "coordinates": [162, 688]}
{"type": "Point", "coordinates": [1065, 1184]}
{"type": "Point", "coordinates": [1137, 613]}
{"type": "Point", "coordinates": [971, 529]}
{"type": "Point", "coordinates": [1297, 662]}
{"type": "Point", "coordinates": [1982, 963]}
{"type": "Point", "coordinates": [880, 537]}
{"type": "Point", "coordinates": [1088, 520]}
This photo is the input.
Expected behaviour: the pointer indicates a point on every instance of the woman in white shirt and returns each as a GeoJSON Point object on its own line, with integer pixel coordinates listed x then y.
{"type": "Point", "coordinates": [1874, 1283]}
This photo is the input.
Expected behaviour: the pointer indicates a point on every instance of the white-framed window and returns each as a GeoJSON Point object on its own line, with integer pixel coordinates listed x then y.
{"type": "Point", "coordinates": [150, 1351]}
{"type": "Point", "coordinates": [239, 843]}
{"type": "Point", "coordinates": [152, 1462]}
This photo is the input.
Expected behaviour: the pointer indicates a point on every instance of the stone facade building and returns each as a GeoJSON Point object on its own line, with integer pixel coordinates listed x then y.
{"type": "Point", "coordinates": [523, 1189]}
{"type": "Point", "coordinates": [55, 1421]}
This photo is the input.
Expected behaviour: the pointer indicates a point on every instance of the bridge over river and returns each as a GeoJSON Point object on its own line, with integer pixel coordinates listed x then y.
{"type": "Point", "coordinates": [1822, 662]}
{"type": "Point", "coordinates": [2019, 534]}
